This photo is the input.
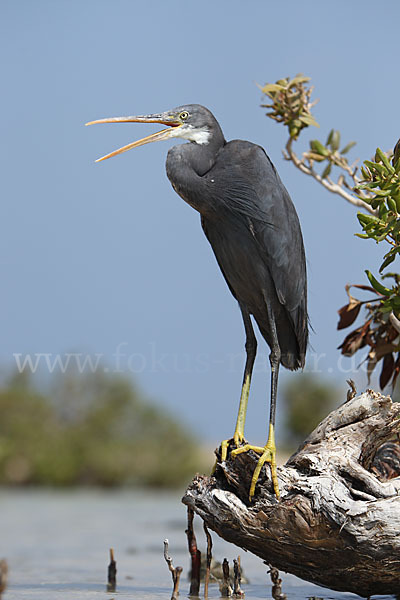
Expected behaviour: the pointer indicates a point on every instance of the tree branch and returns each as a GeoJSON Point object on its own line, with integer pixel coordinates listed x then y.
{"type": "Point", "coordinates": [335, 188]}
{"type": "Point", "coordinates": [336, 524]}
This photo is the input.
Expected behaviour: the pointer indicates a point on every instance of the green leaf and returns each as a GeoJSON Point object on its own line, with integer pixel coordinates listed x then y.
{"type": "Point", "coordinates": [294, 131]}
{"type": "Point", "coordinates": [327, 170]}
{"type": "Point", "coordinates": [382, 193]}
{"type": "Point", "coordinates": [363, 236]}
{"type": "Point", "coordinates": [383, 211]}
{"type": "Point", "coordinates": [396, 227]}
{"type": "Point", "coordinates": [330, 136]}
{"type": "Point", "coordinates": [370, 185]}
{"type": "Point", "coordinates": [375, 203]}
{"type": "Point", "coordinates": [272, 87]}
{"type": "Point", "coordinates": [372, 230]}
{"type": "Point", "coordinates": [396, 156]}
{"type": "Point", "coordinates": [375, 167]}
{"type": "Point", "coordinates": [392, 205]}
{"type": "Point", "coordinates": [300, 78]}
{"type": "Point", "coordinates": [395, 188]}
{"type": "Point", "coordinates": [387, 262]}
{"type": "Point", "coordinates": [366, 219]}
{"type": "Point", "coordinates": [319, 148]}
{"type": "Point", "coordinates": [395, 276]}
{"type": "Point", "coordinates": [308, 120]}
{"type": "Point", "coordinates": [381, 237]}
{"type": "Point", "coordinates": [395, 302]}
{"type": "Point", "coordinates": [376, 285]}
{"type": "Point", "coordinates": [365, 173]}
{"type": "Point", "coordinates": [335, 141]}
{"type": "Point", "coordinates": [379, 155]}
{"type": "Point", "coordinates": [348, 147]}
{"type": "Point", "coordinates": [317, 157]}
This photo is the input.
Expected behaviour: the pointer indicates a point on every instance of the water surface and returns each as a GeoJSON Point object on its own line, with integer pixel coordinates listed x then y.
{"type": "Point", "coordinates": [57, 547]}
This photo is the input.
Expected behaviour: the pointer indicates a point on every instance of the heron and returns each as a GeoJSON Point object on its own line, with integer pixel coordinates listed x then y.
{"type": "Point", "coordinates": [252, 225]}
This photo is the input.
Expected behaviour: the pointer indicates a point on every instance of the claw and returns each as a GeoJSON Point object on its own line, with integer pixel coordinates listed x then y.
{"type": "Point", "coordinates": [268, 454]}
{"type": "Point", "coordinates": [246, 448]}
{"type": "Point", "coordinates": [224, 454]}
{"type": "Point", "coordinates": [224, 450]}
{"type": "Point", "coordinates": [237, 438]}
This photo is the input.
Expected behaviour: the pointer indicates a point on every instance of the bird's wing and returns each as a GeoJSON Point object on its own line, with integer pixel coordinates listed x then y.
{"type": "Point", "coordinates": [255, 192]}
{"type": "Point", "coordinates": [280, 243]}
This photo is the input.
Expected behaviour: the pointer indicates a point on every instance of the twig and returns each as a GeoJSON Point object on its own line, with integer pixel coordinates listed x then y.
{"type": "Point", "coordinates": [195, 555]}
{"type": "Point", "coordinates": [327, 183]}
{"type": "Point", "coordinates": [175, 572]}
{"type": "Point", "coordinates": [226, 588]}
{"type": "Point", "coordinates": [112, 573]}
{"type": "Point", "coordinates": [237, 591]}
{"type": "Point", "coordinates": [276, 584]}
{"type": "Point", "coordinates": [208, 560]}
{"type": "Point", "coordinates": [3, 576]}
{"type": "Point", "coordinates": [352, 392]}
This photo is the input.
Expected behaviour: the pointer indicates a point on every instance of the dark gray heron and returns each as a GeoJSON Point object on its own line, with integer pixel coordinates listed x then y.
{"type": "Point", "coordinates": [251, 223]}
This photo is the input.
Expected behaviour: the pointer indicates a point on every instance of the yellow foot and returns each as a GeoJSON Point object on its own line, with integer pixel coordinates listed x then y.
{"type": "Point", "coordinates": [268, 454]}
{"type": "Point", "coordinates": [224, 454]}
{"type": "Point", "coordinates": [224, 450]}
{"type": "Point", "coordinates": [237, 439]}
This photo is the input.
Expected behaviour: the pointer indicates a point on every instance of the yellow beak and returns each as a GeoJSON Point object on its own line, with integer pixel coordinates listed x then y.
{"type": "Point", "coordinates": [164, 119]}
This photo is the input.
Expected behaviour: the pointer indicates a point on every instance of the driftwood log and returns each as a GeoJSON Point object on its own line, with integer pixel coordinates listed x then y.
{"type": "Point", "coordinates": [337, 524]}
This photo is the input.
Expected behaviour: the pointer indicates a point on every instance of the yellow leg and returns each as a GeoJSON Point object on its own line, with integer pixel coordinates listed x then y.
{"type": "Point", "coordinates": [251, 349]}
{"type": "Point", "coordinates": [238, 436]}
{"type": "Point", "coordinates": [268, 454]}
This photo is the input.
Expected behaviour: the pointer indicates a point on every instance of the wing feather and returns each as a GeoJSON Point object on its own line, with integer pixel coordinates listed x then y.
{"type": "Point", "coordinates": [254, 190]}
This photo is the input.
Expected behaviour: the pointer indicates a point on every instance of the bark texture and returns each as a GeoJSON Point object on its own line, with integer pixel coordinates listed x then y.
{"type": "Point", "coordinates": [336, 524]}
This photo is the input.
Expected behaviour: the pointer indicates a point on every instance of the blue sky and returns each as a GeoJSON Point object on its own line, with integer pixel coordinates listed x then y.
{"type": "Point", "coordinates": [105, 259]}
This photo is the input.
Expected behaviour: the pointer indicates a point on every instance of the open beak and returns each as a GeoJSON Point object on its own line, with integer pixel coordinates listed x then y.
{"type": "Point", "coordinates": [163, 119]}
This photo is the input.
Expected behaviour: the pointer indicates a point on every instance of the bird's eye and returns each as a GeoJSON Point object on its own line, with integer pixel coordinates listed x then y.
{"type": "Point", "coordinates": [184, 115]}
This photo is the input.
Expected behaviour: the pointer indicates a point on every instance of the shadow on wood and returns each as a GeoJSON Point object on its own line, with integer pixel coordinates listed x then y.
{"type": "Point", "coordinates": [336, 524]}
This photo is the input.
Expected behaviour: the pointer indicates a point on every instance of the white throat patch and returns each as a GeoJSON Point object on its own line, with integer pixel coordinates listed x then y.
{"type": "Point", "coordinates": [188, 132]}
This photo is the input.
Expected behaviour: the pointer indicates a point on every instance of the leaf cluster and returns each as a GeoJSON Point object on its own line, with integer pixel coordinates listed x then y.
{"type": "Point", "coordinates": [330, 154]}
{"type": "Point", "coordinates": [290, 103]}
{"type": "Point", "coordinates": [291, 106]}
{"type": "Point", "coordinates": [376, 333]}
{"type": "Point", "coordinates": [382, 184]}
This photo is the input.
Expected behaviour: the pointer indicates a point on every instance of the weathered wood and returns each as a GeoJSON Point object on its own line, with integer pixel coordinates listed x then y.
{"type": "Point", "coordinates": [176, 572]}
{"type": "Point", "coordinates": [195, 555]}
{"type": "Point", "coordinates": [336, 524]}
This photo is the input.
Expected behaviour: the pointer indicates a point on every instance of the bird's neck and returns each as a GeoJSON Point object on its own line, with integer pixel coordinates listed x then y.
{"type": "Point", "coordinates": [186, 166]}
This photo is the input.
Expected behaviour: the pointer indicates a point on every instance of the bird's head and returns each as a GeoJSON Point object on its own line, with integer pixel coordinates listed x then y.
{"type": "Point", "coordinates": [191, 122]}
